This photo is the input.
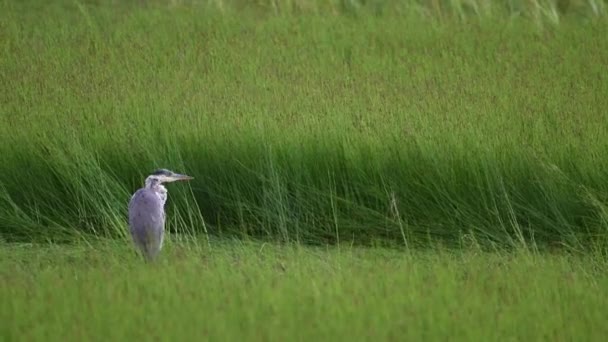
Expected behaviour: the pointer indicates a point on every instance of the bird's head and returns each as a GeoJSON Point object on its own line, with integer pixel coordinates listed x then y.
{"type": "Point", "coordinates": [161, 176]}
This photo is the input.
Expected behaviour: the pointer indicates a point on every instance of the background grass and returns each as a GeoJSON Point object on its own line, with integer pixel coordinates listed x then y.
{"type": "Point", "coordinates": [472, 124]}
{"type": "Point", "coordinates": [311, 121]}
{"type": "Point", "coordinates": [270, 293]}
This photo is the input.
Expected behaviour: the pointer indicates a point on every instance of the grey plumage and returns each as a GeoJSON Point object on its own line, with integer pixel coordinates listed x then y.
{"type": "Point", "coordinates": [147, 212]}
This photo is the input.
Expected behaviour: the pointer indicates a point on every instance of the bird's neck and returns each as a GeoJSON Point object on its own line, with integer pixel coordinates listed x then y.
{"type": "Point", "coordinates": [157, 187]}
{"type": "Point", "coordinates": [154, 184]}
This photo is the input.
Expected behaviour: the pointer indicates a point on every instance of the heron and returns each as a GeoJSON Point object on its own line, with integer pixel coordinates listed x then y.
{"type": "Point", "coordinates": [147, 212]}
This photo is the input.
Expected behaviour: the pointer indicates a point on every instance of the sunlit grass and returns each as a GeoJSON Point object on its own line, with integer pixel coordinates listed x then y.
{"type": "Point", "coordinates": [267, 292]}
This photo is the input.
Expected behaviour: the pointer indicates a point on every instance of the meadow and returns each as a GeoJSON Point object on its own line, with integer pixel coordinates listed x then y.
{"type": "Point", "coordinates": [372, 169]}
{"type": "Point", "coordinates": [265, 292]}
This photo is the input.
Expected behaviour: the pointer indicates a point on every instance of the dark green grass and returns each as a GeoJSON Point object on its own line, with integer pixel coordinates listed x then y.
{"type": "Point", "coordinates": [232, 292]}
{"type": "Point", "coordinates": [319, 126]}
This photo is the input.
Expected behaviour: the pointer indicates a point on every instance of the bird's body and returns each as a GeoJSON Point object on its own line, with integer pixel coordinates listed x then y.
{"type": "Point", "coordinates": [147, 213]}
{"type": "Point", "coordinates": [147, 221]}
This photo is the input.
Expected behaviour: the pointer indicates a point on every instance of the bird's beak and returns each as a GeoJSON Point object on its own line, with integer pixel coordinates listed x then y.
{"type": "Point", "coordinates": [178, 177]}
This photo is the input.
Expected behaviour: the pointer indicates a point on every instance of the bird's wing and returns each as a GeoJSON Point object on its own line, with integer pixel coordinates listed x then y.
{"type": "Point", "coordinates": [146, 215]}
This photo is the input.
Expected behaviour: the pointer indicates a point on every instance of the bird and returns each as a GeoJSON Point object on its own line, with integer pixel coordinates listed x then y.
{"type": "Point", "coordinates": [147, 212]}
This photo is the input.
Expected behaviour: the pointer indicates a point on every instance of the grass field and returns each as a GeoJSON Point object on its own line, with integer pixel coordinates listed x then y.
{"type": "Point", "coordinates": [257, 292]}
{"type": "Point", "coordinates": [363, 170]}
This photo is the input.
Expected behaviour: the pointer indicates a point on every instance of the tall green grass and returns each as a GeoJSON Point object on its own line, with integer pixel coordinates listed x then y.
{"type": "Point", "coordinates": [307, 125]}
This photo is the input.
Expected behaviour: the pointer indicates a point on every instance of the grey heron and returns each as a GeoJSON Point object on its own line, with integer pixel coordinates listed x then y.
{"type": "Point", "coordinates": [147, 212]}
